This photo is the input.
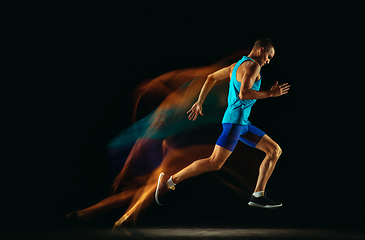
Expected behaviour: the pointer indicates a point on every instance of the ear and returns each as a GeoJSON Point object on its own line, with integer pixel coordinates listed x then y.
{"type": "Point", "coordinates": [261, 50]}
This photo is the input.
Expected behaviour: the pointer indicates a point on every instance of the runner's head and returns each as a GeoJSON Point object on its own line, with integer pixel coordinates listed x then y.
{"type": "Point", "coordinates": [263, 51]}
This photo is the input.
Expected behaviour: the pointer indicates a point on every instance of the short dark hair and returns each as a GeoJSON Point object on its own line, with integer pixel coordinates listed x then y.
{"type": "Point", "coordinates": [265, 43]}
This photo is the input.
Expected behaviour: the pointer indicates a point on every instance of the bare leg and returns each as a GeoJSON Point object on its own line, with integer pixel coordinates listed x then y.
{"type": "Point", "coordinates": [273, 152]}
{"type": "Point", "coordinates": [212, 163]}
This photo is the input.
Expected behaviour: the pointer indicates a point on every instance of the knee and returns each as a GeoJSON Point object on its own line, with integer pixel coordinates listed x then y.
{"type": "Point", "coordinates": [275, 152]}
{"type": "Point", "coordinates": [214, 164]}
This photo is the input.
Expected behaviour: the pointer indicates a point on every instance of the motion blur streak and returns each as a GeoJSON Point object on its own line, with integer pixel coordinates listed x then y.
{"type": "Point", "coordinates": [165, 140]}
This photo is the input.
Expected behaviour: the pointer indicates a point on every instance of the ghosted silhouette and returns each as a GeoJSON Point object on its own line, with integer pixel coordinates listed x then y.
{"type": "Point", "coordinates": [166, 141]}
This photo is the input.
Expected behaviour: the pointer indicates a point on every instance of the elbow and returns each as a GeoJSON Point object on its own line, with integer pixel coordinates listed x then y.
{"type": "Point", "coordinates": [210, 78]}
{"type": "Point", "coordinates": [242, 96]}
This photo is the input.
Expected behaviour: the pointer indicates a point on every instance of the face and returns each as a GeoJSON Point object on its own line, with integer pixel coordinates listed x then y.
{"type": "Point", "coordinates": [266, 56]}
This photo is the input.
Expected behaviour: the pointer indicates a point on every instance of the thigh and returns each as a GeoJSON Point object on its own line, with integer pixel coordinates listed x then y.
{"type": "Point", "coordinates": [252, 137]}
{"type": "Point", "coordinates": [220, 155]}
{"type": "Point", "coordinates": [267, 145]}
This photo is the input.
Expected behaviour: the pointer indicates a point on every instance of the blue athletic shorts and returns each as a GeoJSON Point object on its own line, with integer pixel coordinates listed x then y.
{"type": "Point", "coordinates": [247, 134]}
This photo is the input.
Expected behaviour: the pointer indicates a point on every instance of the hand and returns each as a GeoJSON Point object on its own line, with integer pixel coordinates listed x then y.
{"type": "Point", "coordinates": [278, 90]}
{"type": "Point", "coordinates": [195, 110]}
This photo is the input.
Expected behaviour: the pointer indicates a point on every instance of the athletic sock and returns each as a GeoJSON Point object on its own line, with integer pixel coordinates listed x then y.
{"type": "Point", "coordinates": [171, 184]}
{"type": "Point", "coordinates": [258, 194]}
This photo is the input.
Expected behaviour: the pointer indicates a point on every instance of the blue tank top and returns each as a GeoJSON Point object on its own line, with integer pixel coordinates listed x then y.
{"type": "Point", "coordinates": [238, 110]}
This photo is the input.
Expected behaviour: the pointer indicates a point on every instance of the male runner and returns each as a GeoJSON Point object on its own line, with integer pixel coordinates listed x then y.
{"type": "Point", "coordinates": [244, 90]}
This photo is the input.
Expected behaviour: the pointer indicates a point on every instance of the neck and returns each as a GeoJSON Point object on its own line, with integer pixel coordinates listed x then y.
{"type": "Point", "coordinates": [252, 56]}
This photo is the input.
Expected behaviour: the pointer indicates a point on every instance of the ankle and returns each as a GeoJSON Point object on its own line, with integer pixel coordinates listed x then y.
{"type": "Point", "coordinates": [170, 183]}
{"type": "Point", "coordinates": [258, 194]}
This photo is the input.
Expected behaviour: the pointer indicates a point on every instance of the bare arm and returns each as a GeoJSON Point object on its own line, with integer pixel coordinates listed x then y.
{"type": "Point", "coordinates": [251, 74]}
{"type": "Point", "coordinates": [219, 75]}
{"type": "Point", "coordinates": [211, 80]}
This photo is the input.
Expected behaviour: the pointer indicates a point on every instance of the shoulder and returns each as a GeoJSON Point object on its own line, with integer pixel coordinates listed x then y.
{"type": "Point", "coordinates": [251, 67]}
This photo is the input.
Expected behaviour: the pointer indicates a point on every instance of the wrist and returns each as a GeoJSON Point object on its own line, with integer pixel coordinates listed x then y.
{"type": "Point", "coordinates": [270, 94]}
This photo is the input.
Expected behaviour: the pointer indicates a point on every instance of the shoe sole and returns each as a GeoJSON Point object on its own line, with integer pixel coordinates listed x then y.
{"type": "Point", "coordinates": [158, 187]}
{"type": "Point", "coordinates": [252, 204]}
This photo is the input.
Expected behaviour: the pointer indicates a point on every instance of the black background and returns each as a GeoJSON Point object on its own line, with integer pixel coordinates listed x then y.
{"type": "Point", "coordinates": [73, 71]}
